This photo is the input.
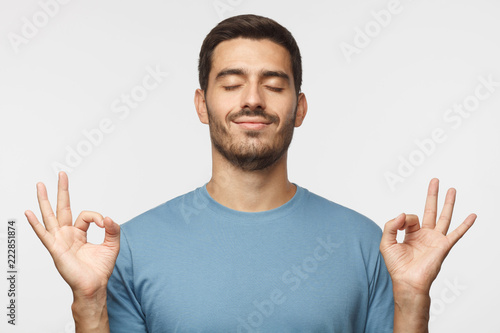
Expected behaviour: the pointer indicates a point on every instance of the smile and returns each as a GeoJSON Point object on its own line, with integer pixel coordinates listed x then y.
{"type": "Point", "coordinates": [252, 125]}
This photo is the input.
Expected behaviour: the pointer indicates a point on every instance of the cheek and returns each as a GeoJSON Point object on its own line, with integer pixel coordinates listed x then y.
{"type": "Point", "coordinates": [222, 106]}
{"type": "Point", "coordinates": [290, 111]}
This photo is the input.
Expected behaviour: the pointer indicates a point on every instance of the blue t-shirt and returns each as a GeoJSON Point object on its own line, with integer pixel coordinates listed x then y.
{"type": "Point", "coordinates": [194, 265]}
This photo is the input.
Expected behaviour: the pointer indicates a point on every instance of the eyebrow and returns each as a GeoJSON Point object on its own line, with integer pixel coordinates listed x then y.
{"type": "Point", "coordinates": [240, 71]}
{"type": "Point", "coordinates": [279, 74]}
{"type": "Point", "coordinates": [230, 71]}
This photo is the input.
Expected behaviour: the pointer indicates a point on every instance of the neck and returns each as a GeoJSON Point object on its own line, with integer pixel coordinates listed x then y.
{"type": "Point", "coordinates": [249, 191]}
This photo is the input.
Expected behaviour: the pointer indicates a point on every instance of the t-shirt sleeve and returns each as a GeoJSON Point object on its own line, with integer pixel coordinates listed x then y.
{"type": "Point", "coordinates": [124, 310]}
{"type": "Point", "coordinates": [380, 317]}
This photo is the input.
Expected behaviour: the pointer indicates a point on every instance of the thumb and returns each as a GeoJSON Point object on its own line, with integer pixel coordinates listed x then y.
{"type": "Point", "coordinates": [112, 232]}
{"type": "Point", "coordinates": [391, 231]}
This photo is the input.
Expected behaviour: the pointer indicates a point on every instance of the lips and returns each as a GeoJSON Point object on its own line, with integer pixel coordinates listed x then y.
{"type": "Point", "coordinates": [252, 123]}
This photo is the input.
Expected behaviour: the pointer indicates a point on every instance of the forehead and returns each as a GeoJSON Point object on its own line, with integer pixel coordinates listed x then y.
{"type": "Point", "coordinates": [254, 55]}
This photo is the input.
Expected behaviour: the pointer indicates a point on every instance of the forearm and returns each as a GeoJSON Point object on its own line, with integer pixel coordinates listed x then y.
{"type": "Point", "coordinates": [411, 311]}
{"type": "Point", "coordinates": [90, 313]}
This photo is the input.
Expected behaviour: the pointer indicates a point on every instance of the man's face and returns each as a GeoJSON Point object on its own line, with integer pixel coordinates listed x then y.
{"type": "Point", "coordinates": [251, 102]}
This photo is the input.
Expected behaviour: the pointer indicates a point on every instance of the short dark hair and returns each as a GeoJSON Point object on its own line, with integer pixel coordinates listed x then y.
{"type": "Point", "coordinates": [251, 27]}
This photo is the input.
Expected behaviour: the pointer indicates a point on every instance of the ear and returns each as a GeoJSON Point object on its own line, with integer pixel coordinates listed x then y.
{"type": "Point", "coordinates": [201, 105]}
{"type": "Point", "coordinates": [301, 109]}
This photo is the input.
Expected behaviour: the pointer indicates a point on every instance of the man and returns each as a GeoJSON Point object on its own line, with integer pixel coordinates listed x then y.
{"type": "Point", "coordinates": [249, 250]}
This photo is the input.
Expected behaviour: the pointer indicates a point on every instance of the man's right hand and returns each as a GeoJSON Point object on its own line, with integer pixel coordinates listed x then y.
{"type": "Point", "coordinates": [84, 266]}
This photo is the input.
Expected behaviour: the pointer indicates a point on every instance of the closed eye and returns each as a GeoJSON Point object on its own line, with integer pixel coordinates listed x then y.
{"type": "Point", "coordinates": [228, 88]}
{"type": "Point", "coordinates": [274, 89]}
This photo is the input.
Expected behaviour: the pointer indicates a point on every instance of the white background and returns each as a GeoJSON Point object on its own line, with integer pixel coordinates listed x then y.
{"type": "Point", "coordinates": [365, 112]}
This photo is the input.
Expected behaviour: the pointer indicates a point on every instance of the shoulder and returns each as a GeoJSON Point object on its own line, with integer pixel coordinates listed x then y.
{"type": "Point", "coordinates": [357, 235]}
{"type": "Point", "coordinates": [347, 217]}
{"type": "Point", "coordinates": [173, 210]}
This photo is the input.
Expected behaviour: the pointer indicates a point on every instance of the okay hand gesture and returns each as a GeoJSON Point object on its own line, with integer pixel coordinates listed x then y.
{"type": "Point", "coordinates": [415, 263]}
{"type": "Point", "coordinates": [84, 266]}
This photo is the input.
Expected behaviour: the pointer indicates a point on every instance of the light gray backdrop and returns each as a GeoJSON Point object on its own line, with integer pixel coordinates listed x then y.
{"type": "Point", "coordinates": [399, 92]}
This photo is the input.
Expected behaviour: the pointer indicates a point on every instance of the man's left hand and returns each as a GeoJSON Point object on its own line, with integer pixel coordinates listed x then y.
{"type": "Point", "coordinates": [415, 263]}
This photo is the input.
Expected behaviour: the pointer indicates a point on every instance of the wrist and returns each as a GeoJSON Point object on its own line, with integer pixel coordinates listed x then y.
{"type": "Point", "coordinates": [90, 312]}
{"type": "Point", "coordinates": [406, 290]}
{"type": "Point", "coordinates": [411, 309]}
{"type": "Point", "coordinates": [410, 302]}
{"type": "Point", "coordinates": [410, 299]}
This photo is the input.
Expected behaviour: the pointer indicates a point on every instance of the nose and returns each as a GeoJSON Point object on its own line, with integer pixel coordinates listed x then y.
{"type": "Point", "coordinates": [253, 98]}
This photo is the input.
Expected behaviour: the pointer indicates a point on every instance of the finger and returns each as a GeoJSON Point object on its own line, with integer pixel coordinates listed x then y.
{"type": "Point", "coordinates": [430, 210]}
{"type": "Point", "coordinates": [411, 224]}
{"type": "Point", "coordinates": [456, 234]}
{"type": "Point", "coordinates": [112, 235]}
{"type": "Point", "coordinates": [391, 231]}
{"type": "Point", "coordinates": [49, 219]}
{"type": "Point", "coordinates": [444, 221]}
{"type": "Point", "coordinates": [39, 229]}
{"type": "Point", "coordinates": [63, 209]}
{"type": "Point", "coordinates": [85, 218]}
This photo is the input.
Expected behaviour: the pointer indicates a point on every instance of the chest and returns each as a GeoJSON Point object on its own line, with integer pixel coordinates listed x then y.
{"type": "Point", "coordinates": [228, 286]}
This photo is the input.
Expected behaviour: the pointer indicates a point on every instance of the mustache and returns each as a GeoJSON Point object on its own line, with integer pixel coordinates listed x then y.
{"type": "Point", "coordinates": [258, 112]}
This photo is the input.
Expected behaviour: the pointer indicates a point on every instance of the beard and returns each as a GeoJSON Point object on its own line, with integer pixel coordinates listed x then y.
{"type": "Point", "coordinates": [250, 154]}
